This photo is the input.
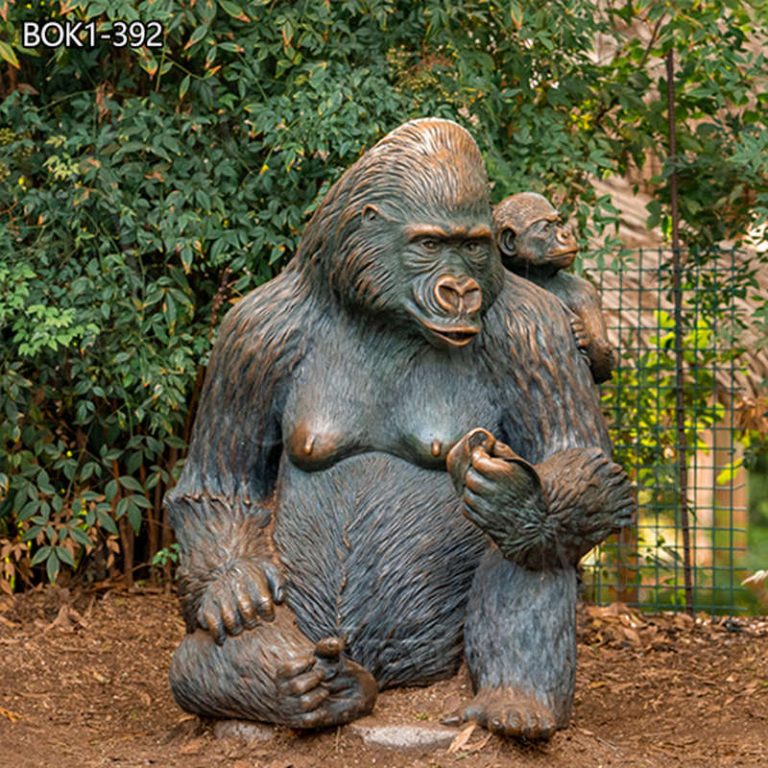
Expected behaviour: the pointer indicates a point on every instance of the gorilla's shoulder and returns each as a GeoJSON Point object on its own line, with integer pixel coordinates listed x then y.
{"type": "Point", "coordinates": [523, 306]}
{"type": "Point", "coordinates": [281, 302]}
{"type": "Point", "coordinates": [269, 324]}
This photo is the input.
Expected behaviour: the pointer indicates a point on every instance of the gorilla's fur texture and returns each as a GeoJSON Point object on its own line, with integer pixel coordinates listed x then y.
{"type": "Point", "coordinates": [334, 496]}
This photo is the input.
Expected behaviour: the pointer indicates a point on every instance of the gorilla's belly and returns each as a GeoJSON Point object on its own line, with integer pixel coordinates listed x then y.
{"type": "Point", "coordinates": [376, 549]}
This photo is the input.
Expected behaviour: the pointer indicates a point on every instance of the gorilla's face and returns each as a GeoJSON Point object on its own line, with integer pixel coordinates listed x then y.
{"type": "Point", "coordinates": [447, 268]}
{"type": "Point", "coordinates": [405, 239]}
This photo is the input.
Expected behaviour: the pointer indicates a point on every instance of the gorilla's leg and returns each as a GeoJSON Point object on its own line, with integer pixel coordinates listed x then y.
{"type": "Point", "coordinates": [520, 646]}
{"type": "Point", "coordinates": [271, 673]}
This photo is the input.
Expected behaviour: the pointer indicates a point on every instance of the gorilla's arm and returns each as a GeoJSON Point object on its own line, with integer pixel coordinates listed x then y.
{"type": "Point", "coordinates": [542, 516]}
{"type": "Point", "coordinates": [219, 507]}
{"type": "Point", "coordinates": [583, 299]}
{"type": "Point", "coordinates": [555, 493]}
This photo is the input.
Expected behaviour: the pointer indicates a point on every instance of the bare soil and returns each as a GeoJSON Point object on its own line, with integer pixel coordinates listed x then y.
{"type": "Point", "coordinates": [83, 682]}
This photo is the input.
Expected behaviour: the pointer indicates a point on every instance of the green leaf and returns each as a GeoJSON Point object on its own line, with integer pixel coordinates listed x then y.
{"type": "Point", "coordinates": [106, 522]}
{"type": "Point", "coordinates": [8, 54]}
{"type": "Point", "coordinates": [134, 517]}
{"type": "Point", "coordinates": [199, 33]}
{"type": "Point", "coordinates": [122, 507]}
{"type": "Point", "coordinates": [65, 556]}
{"type": "Point", "coordinates": [131, 483]}
{"type": "Point", "coordinates": [234, 10]}
{"type": "Point", "coordinates": [111, 490]}
{"type": "Point", "coordinates": [42, 554]}
{"type": "Point", "coordinates": [52, 566]}
{"type": "Point", "coordinates": [184, 87]}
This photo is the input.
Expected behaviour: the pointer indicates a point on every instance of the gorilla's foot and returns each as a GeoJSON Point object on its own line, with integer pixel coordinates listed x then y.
{"type": "Point", "coordinates": [272, 674]}
{"type": "Point", "coordinates": [339, 690]}
{"type": "Point", "coordinates": [509, 713]}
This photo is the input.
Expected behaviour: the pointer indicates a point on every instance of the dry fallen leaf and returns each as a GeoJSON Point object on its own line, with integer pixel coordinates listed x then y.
{"type": "Point", "coordinates": [12, 716]}
{"type": "Point", "coordinates": [480, 744]}
{"type": "Point", "coordinates": [464, 736]}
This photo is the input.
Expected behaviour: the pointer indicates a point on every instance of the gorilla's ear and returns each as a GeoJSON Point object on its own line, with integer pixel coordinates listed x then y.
{"type": "Point", "coordinates": [507, 244]}
{"type": "Point", "coordinates": [370, 213]}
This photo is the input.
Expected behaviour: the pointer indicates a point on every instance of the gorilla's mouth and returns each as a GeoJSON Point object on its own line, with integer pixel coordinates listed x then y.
{"type": "Point", "coordinates": [454, 336]}
{"type": "Point", "coordinates": [566, 250]}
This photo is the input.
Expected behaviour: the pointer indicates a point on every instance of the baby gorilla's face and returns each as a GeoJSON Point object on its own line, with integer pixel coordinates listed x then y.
{"type": "Point", "coordinates": [547, 242]}
{"type": "Point", "coordinates": [446, 266]}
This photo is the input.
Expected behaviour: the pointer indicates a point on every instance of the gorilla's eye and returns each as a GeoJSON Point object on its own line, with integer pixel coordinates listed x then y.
{"type": "Point", "coordinates": [472, 247]}
{"type": "Point", "coordinates": [429, 244]}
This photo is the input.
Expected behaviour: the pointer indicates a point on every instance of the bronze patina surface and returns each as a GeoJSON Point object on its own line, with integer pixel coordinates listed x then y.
{"type": "Point", "coordinates": [534, 244]}
{"type": "Point", "coordinates": [398, 460]}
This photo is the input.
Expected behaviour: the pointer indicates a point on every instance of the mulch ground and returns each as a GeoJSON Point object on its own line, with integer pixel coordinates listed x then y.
{"type": "Point", "coordinates": [83, 682]}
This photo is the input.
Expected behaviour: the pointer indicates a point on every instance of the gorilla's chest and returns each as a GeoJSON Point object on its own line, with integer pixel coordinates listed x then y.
{"type": "Point", "coordinates": [415, 402]}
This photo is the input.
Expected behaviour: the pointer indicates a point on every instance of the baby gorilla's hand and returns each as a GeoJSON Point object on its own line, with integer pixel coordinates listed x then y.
{"type": "Point", "coordinates": [580, 333]}
{"type": "Point", "coordinates": [238, 596]}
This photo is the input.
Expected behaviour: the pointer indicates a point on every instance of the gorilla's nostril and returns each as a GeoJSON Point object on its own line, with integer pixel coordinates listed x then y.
{"type": "Point", "coordinates": [564, 235]}
{"type": "Point", "coordinates": [473, 300]}
{"type": "Point", "coordinates": [447, 294]}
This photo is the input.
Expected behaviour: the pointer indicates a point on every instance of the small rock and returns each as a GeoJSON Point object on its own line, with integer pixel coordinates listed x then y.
{"type": "Point", "coordinates": [403, 736]}
{"type": "Point", "coordinates": [243, 729]}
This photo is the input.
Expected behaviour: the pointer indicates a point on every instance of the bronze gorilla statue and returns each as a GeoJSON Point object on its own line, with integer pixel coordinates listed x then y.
{"type": "Point", "coordinates": [534, 244]}
{"type": "Point", "coordinates": [398, 460]}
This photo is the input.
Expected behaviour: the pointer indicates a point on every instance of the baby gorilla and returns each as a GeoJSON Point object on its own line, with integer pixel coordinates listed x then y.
{"type": "Point", "coordinates": [398, 459]}
{"type": "Point", "coordinates": [534, 245]}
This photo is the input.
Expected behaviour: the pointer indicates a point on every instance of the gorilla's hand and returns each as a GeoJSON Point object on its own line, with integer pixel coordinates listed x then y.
{"type": "Point", "coordinates": [502, 493]}
{"type": "Point", "coordinates": [580, 333]}
{"type": "Point", "coordinates": [238, 595]}
{"type": "Point", "coordinates": [547, 515]}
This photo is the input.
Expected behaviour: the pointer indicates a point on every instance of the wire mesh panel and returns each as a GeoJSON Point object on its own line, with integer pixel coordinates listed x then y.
{"type": "Point", "coordinates": [645, 566]}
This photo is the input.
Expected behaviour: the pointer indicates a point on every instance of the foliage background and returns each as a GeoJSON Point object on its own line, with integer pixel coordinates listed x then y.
{"type": "Point", "coordinates": [143, 191]}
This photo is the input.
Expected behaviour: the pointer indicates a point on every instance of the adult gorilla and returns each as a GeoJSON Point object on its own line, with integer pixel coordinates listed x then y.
{"type": "Point", "coordinates": [393, 377]}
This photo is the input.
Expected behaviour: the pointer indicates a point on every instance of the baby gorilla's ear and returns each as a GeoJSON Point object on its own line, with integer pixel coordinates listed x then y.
{"type": "Point", "coordinates": [507, 244]}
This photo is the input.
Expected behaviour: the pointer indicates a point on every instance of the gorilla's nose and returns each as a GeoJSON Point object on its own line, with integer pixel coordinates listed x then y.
{"type": "Point", "coordinates": [458, 295]}
{"type": "Point", "coordinates": [565, 236]}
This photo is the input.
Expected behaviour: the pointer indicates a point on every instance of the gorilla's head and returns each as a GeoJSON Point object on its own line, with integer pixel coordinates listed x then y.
{"type": "Point", "coordinates": [406, 234]}
{"type": "Point", "coordinates": [530, 235]}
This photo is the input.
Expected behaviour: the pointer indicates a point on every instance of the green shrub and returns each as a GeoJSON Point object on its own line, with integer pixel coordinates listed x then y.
{"type": "Point", "coordinates": [143, 190]}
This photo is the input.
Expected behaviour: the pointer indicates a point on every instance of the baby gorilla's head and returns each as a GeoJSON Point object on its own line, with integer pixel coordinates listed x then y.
{"type": "Point", "coordinates": [530, 236]}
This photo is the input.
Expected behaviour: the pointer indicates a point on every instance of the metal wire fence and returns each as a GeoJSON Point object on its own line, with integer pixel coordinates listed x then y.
{"type": "Point", "coordinates": [646, 566]}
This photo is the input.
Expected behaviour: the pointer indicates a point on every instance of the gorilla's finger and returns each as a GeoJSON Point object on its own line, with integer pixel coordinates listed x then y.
{"type": "Point", "coordinates": [314, 718]}
{"type": "Point", "coordinates": [245, 605]}
{"type": "Point", "coordinates": [261, 597]}
{"type": "Point", "coordinates": [478, 484]}
{"type": "Point", "coordinates": [503, 451]}
{"type": "Point", "coordinates": [275, 582]}
{"type": "Point", "coordinates": [328, 652]}
{"type": "Point", "coordinates": [456, 464]}
{"type": "Point", "coordinates": [474, 501]}
{"type": "Point", "coordinates": [312, 700]}
{"type": "Point", "coordinates": [213, 623]}
{"type": "Point", "coordinates": [303, 683]}
{"type": "Point", "coordinates": [295, 666]}
{"type": "Point", "coordinates": [480, 438]}
{"type": "Point", "coordinates": [493, 469]}
{"type": "Point", "coordinates": [329, 647]}
{"type": "Point", "coordinates": [230, 616]}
